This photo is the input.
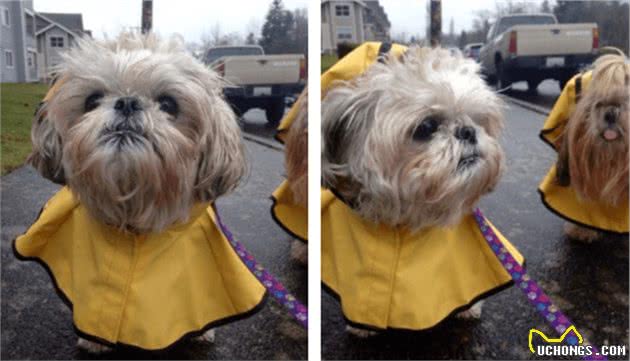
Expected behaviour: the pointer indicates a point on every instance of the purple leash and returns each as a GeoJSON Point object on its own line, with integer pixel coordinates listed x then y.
{"type": "Point", "coordinates": [275, 288]}
{"type": "Point", "coordinates": [536, 296]}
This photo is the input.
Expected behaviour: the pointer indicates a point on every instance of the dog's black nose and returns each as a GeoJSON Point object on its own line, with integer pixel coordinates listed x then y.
{"type": "Point", "coordinates": [127, 106]}
{"type": "Point", "coordinates": [466, 133]}
{"type": "Point", "coordinates": [610, 116]}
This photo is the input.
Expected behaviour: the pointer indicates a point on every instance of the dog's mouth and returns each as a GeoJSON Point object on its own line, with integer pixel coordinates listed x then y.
{"type": "Point", "coordinates": [123, 134]}
{"type": "Point", "coordinates": [611, 134]}
{"type": "Point", "coordinates": [468, 161]}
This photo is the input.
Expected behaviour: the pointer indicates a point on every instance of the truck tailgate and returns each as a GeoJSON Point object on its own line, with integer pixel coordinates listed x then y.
{"type": "Point", "coordinates": [263, 69]}
{"type": "Point", "coordinates": [558, 39]}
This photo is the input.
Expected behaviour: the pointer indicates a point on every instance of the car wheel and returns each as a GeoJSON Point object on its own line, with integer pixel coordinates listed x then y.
{"type": "Point", "coordinates": [275, 111]}
{"type": "Point", "coordinates": [532, 85]}
{"type": "Point", "coordinates": [563, 81]}
{"type": "Point", "coordinates": [503, 80]}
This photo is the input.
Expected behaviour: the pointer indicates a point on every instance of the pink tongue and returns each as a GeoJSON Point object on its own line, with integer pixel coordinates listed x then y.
{"type": "Point", "coordinates": [610, 134]}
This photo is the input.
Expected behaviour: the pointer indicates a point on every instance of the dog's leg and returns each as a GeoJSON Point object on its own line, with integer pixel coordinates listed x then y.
{"type": "Point", "coordinates": [299, 251]}
{"type": "Point", "coordinates": [579, 233]}
{"type": "Point", "coordinates": [92, 347]}
{"type": "Point", "coordinates": [360, 332]}
{"type": "Point", "coordinates": [207, 337]}
{"type": "Point", "coordinates": [473, 313]}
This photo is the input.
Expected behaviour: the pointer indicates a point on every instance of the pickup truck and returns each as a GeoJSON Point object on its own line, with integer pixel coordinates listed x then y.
{"type": "Point", "coordinates": [258, 80]}
{"type": "Point", "coordinates": [534, 47]}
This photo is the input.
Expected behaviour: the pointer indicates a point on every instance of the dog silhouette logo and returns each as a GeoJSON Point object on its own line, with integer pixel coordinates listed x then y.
{"type": "Point", "coordinates": [572, 339]}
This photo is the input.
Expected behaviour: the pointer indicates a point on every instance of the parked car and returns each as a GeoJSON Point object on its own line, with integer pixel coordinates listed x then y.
{"type": "Point", "coordinates": [534, 47]}
{"type": "Point", "coordinates": [258, 80]}
{"type": "Point", "coordinates": [472, 51]}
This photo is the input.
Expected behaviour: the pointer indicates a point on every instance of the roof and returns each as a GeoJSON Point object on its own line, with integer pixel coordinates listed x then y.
{"type": "Point", "coordinates": [72, 22]}
{"type": "Point", "coordinates": [361, 3]}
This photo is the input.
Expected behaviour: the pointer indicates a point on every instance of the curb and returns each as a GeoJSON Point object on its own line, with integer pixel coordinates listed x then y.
{"type": "Point", "coordinates": [264, 142]}
{"type": "Point", "coordinates": [527, 105]}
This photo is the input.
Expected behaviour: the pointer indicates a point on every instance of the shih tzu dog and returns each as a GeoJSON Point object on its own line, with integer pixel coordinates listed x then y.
{"type": "Point", "coordinates": [296, 165]}
{"type": "Point", "coordinates": [139, 131]}
{"type": "Point", "coordinates": [593, 149]}
{"type": "Point", "coordinates": [413, 142]}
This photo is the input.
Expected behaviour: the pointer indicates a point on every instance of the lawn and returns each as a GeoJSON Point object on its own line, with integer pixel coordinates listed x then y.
{"type": "Point", "coordinates": [18, 102]}
{"type": "Point", "coordinates": [328, 61]}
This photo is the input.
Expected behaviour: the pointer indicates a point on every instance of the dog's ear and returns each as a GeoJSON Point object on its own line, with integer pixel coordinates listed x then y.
{"type": "Point", "coordinates": [563, 178]}
{"type": "Point", "coordinates": [221, 164]}
{"type": "Point", "coordinates": [47, 146]}
{"type": "Point", "coordinates": [347, 116]}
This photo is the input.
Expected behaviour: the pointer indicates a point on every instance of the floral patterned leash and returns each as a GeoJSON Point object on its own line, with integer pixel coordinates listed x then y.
{"type": "Point", "coordinates": [275, 288]}
{"type": "Point", "coordinates": [536, 296]}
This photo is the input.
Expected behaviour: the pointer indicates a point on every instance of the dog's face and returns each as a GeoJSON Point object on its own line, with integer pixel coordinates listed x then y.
{"type": "Point", "coordinates": [593, 154]}
{"type": "Point", "coordinates": [413, 141]}
{"type": "Point", "coordinates": [139, 131]}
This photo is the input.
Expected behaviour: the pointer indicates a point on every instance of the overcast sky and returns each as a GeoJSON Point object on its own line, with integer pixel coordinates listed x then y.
{"type": "Point", "coordinates": [192, 17]}
{"type": "Point", "coordinates": [410, 16]}
{"type": "Point", "coordinates": [189, 18]}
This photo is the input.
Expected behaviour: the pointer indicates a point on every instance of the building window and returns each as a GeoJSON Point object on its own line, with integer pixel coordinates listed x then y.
{"type": "Point", "coordinates": [344, 33]}
{"type": "Point", "coordinates": [6, 21]}
{"type": "Point", "coordinates": [342, 10]}
{"type": "Point", "coordinates": [29, 60]}
{"type": "Point", "coordinates": [8, 58]}
{"type": "Point", "coordinates": [56, 42]}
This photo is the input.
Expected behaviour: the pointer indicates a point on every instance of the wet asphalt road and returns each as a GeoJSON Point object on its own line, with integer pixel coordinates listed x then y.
{"type": "Point", "coordinates": [544, 96]}
{"type": "Point", "coordinates": [37, 325]}
{"type": "Point", "coordinates": [588, 282]}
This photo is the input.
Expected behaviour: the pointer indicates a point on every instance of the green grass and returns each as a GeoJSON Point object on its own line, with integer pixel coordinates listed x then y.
{"type": "Point", "coordinates": [18, 102]}
{"type": "Point", "coordinates": [328, 61]}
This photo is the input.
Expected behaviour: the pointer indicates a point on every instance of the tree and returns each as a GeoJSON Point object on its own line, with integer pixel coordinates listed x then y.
{"type": "Point", "coordinates": [545, 8]}
{"type": "Point", "coordinates": [300, 31]}
{"type": "Point", "coordinates": [610, 16]}
{"type": "Point", "coordinates": [276, 32]}
{"type": "Point", "coordinates": [251, 39]}
{"type": "Point", "coordinates": [463, 39]}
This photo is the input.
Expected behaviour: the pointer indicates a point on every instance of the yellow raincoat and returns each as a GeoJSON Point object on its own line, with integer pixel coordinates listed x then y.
{"type": "Point", "coordinates": [563, 201]}
{"type": "Point", "coordinates": [146, 291]}
{"type": "Point", "coordinates": [386, 277]}
{"type": "Point", "coordinates": [289, 216]}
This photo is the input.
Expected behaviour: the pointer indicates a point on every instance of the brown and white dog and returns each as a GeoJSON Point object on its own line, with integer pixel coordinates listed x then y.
{"type": "Point", "coordinates": [593, 149]}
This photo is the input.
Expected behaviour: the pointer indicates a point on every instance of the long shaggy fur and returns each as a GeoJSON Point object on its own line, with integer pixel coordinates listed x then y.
{"type": "Point", "coordinates": [150, 183]}
{"type": "Point", "coordinates": [296, 153]}
{"type": "Point", "coordinates": [369, 154]}
{"type": "Point", "coordinates": [595, 167]}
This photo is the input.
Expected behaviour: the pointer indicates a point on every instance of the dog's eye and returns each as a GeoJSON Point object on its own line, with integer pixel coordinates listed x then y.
{"type": "Point", "coordinates": [168, 104]}
{"type": "Point", "coordinates": [426, 129]}
{"type": "Point", "coordinates": [91, 102]}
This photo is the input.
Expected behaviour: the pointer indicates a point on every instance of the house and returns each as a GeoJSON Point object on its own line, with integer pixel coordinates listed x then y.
{"type": "Point", "coordinates": [377, 24]}
{"type": "Point", "coordinates": [30, 42]}
{"type": "Point", "coordinates": [55, 32]}
{"type": "Point", "coordinates": [18, 49]}
{"type": "Point", "coordinates": [352, 21]}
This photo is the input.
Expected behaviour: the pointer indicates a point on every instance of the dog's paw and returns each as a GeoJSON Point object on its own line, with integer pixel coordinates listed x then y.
{"type": "Point", "coordinates": [207, 337]}
{"type": "Point", "coordinates": [299, 252]}
{"type": "Point", "coordinates": [579, 233]}
{"type": "Point", "coordinates": [92, 347]}
{"type": "Point", "coordinates": [473, 313]}
{"type": "Point", "coordinates": [360, 332]}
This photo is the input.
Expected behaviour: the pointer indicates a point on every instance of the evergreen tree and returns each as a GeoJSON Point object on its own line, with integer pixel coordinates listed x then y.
{"type": "Point", "coordinates": [277, 30]}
